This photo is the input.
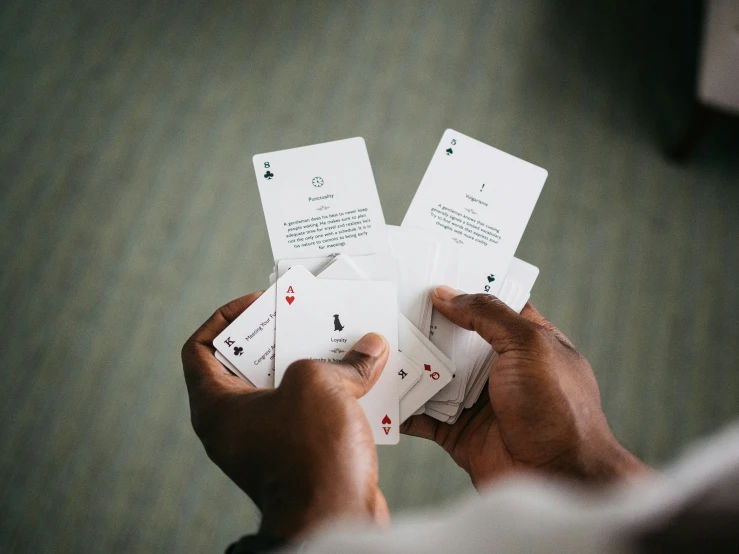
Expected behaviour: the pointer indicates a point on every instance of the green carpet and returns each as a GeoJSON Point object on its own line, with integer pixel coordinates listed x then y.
{"type": "Point", "coordinates": [129, 212]}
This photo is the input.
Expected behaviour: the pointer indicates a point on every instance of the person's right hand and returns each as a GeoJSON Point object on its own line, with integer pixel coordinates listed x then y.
{"type": "Point", "coordinates": [541, 411]}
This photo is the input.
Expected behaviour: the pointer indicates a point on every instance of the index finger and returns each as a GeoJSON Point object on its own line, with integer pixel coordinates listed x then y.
{"type": "Point", "coordinates": [485, 314]}
{"type": "Point", "coordinates": [198, 361]}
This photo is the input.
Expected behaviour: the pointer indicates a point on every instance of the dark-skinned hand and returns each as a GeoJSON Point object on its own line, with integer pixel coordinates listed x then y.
{"type": "Point", "coordinates": [303, 452]}
{"type": "Point", "coordinates": [541, 411]}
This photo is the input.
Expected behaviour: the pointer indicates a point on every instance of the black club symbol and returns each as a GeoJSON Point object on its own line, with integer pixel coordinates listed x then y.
{"type": "Point", "coordinates": [269, 174]}
{"type": "Point", "coordinates": [238, 351]}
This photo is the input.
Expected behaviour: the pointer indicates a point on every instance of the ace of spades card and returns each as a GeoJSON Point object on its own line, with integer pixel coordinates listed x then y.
{"type": "Point", "coordinates": [322, 319]}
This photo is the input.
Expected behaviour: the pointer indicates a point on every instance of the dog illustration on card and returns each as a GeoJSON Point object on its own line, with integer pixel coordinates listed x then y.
{"type": "Point", "coordinates": [337, 324]}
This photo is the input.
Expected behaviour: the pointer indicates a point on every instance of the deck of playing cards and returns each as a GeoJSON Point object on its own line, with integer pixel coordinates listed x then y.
{"type": "Point", "coordinates": [341, 272]}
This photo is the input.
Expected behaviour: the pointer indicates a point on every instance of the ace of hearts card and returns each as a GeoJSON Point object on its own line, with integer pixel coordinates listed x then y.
{"type": "Point", "coordinates": [322, 319]}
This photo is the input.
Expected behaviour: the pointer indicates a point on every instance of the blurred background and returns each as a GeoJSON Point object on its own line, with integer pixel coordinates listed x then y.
{"type": "Point", "coordinates": [129, 212]}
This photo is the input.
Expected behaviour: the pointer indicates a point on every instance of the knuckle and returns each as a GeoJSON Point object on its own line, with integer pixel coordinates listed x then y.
{"type": "Point", "coordinates": [206, 420]}
{"type": "Point", "coordinates": [362, 364]}
{"type": "Point", "coordinates": [199, 421]}
{"type": "Point", "coordinates": [484, 304]}
{"type": "Point", "coordinates": [533, 337]}
{"type": "Point", "coordinates": [186, 350]}
{"type": "Point", "coordinates": [537, 336]}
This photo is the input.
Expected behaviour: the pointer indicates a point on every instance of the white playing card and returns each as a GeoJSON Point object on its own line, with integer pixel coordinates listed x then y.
{"type": "Point", "coordinates": [343, 267]}
{"type": "Point", "coordinates": [477, 195]}
{"type": "Point", "coordinates": [249, 342]}
{"type": "Point", "coordinates": [321, 200]}
{"type": "Point", "coordinates": [408, 374]}
{"type": "Point", "coordinates": [515, 293]}
{"type": "Point", "coordinates": [372, 267]}
{"type": "Point", "coordinates": [322, 319]}
{"type": "Point", "coordinates": [314, 265]}
{"type": "Point", "coordinates": [522, 273]}
{"type": "Point", "coordinates": [415, 254]}
{"type": "Point", "coordinates": [232, 368]}
{"type": "Point", "coordinates": [437, 369]}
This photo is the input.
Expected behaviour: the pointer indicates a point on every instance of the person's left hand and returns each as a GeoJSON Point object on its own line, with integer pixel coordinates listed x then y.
{"type": "Point", "coordinates": [304, 451]}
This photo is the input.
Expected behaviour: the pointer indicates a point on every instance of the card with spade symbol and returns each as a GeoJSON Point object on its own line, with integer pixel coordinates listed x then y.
{"type": "Point", "coordinates": [322, 319]}
{"type": "Point", "coordinates": [477, 196]}
{"type": "Point", "coordinates": [321, 200]}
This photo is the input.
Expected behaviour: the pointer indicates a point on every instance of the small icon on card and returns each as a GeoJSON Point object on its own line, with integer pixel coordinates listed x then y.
{"type": "Point", "coordinates": [238, 351]}
{"type": "Point", "coordinates": [269, 175]}
{"type": "Point", "coordinates": [449, 151]}
{"type": "Point", "coordinates": [337, 324]}
{"type": "Point", "coordinates": [317, 181]}
{"type": "Point", "coordinates": [491, 278]}
{"type": "Point", "coordinates": [386, 421]}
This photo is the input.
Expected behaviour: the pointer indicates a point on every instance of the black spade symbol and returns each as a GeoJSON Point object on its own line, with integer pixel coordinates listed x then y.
{"type": "Point", "coordinates": [491, 278]}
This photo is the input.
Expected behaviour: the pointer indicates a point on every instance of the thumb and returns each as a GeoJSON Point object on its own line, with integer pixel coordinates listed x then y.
{"type": "Point", "coordinates": [490, 318]}
{"type": "Point", "coordinates": [363, 364]}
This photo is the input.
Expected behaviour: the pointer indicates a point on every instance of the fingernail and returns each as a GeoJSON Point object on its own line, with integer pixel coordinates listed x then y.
{"type": "Point", "coordinates": [370, 344]}
{"type": "Point", "coordinates": [446, 293]}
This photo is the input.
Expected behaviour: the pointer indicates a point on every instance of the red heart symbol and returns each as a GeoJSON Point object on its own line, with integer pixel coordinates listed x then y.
{"type": "Point", "coordinates": [290, 299]}
{"type": "Point", "coordinates": [386, 420]}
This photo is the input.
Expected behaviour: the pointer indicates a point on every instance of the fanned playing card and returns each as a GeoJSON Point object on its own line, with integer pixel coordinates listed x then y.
{"type": "Point", "coordinates": [322, 319]}
{"type": "Point", "coordinates": [249, 342]}
{"type": "Point", "coordinates": [321, 200]}
{"type": "Point", "coordinates": [480, 196]}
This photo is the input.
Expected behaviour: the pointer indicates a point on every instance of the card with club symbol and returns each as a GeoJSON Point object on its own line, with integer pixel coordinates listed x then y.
{"type": "Point", "coordinates": [248, 344]}
{"type": "Point", "coordinates": [322, 319]}
{"type": "Point", "coordinates": [342, 272]}
{"type": "Point", "coordinates": [321, 200]}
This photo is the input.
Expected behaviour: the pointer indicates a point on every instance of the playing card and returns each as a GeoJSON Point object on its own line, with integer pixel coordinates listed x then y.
{"type": "Point", "coordinates": [477, 195]}
{"type": "Point", "coordinates": [371, 267]}
{"type": "Point", "coordinates": [322, 319]}
{"type": "Point", "coordinates": [408, 374]}
{"type": "Point", "coordinates": [232, 368]}
{"type": "Point", "coordinates": [437, 369]}
{"type": "Point", "coordinates": [477, 356]}
{"type": "Point", "coordinates": [249, 342]}
{"type": "Point", "coordinates": [415, 253]}
{"type": "Point", "coordinates": [314, 265]}
{"type": "Point", "coordinates": [343, 267]}
{"type": "Point", "coordinates": [522, 273]}
{"type": "Point", "coordinates": [321, 200]}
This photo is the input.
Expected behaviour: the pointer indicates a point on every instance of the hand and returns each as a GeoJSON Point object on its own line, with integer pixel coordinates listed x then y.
{"type": "Point", "coordinates": [303, 452]}
{"type": "Point", "coordinates": [541, 411]}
